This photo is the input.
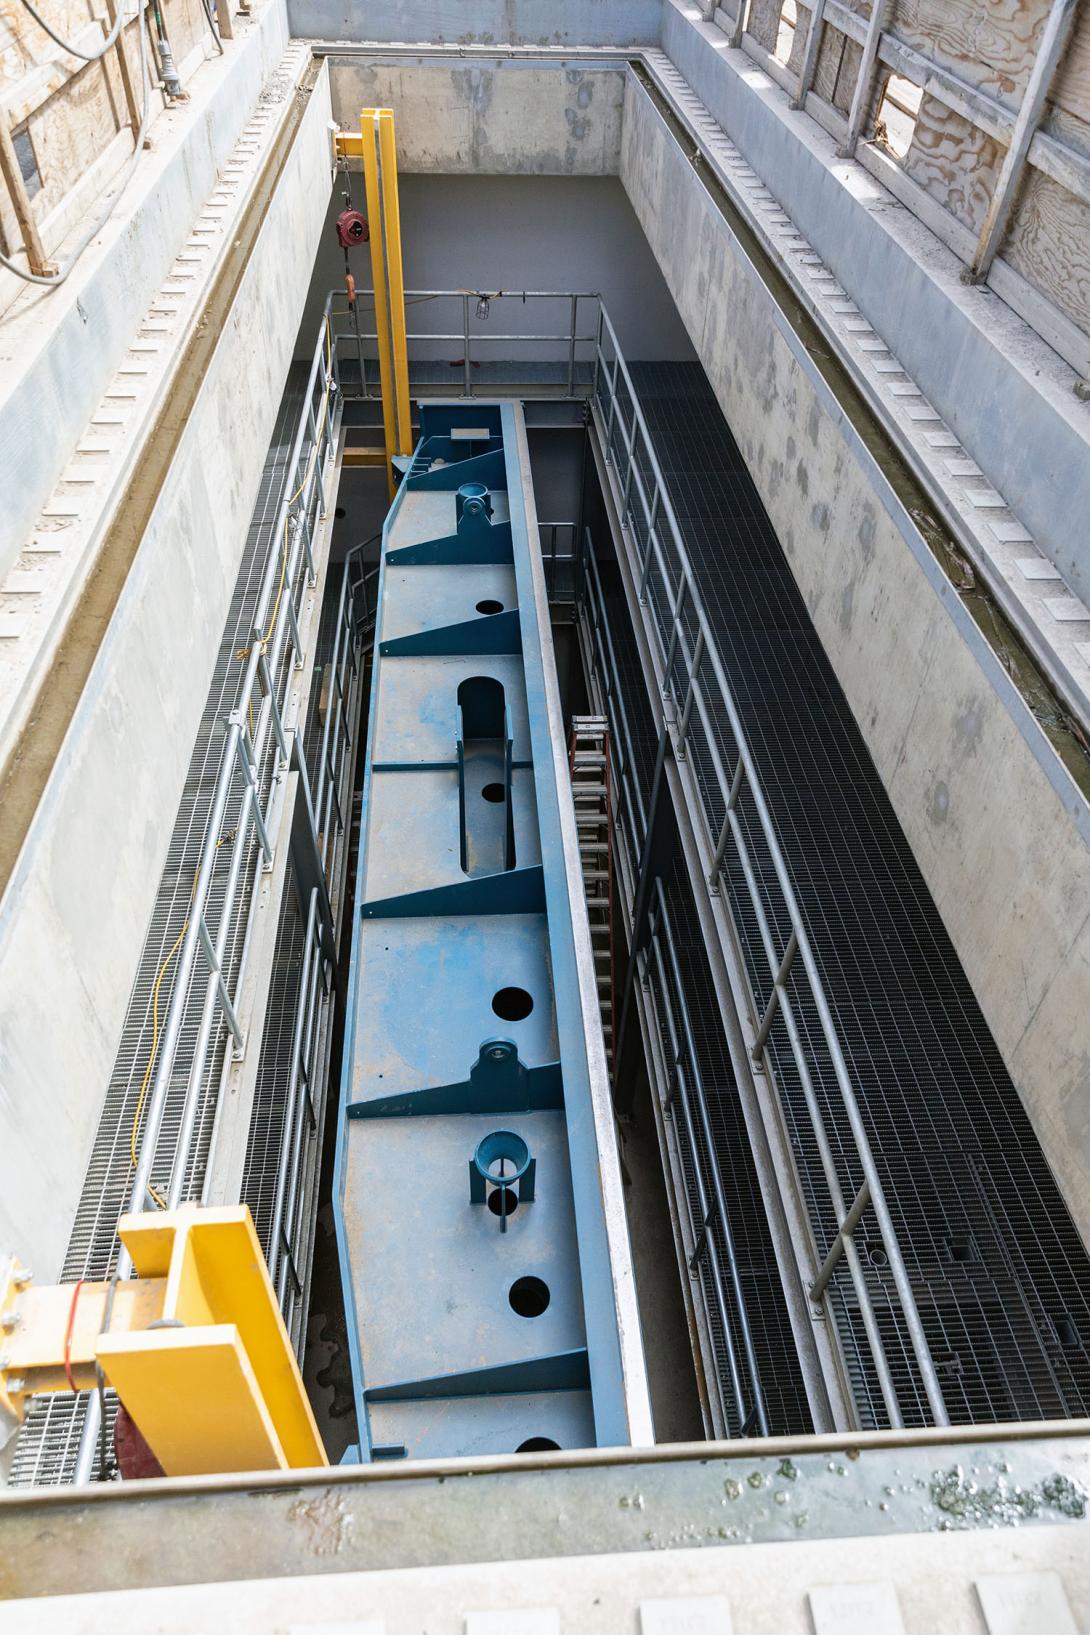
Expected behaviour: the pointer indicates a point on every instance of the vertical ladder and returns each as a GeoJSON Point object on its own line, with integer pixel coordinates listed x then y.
{"type": "Point", "coordinates": [592, 792]}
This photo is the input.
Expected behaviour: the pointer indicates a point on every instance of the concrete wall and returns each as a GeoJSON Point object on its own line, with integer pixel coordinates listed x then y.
{"type": "Point", "coordinates": [53, 373]}
{"type": "Point", "coordinates": [491, 118]}
{"type": "Point", "coordinates": [536, 232]}
{"type": "Point", "coordinates": [1000, 388]}
{"type": "Point", "coordinates": [999, 830]}
{"type": "Point", "coordinates": [73, 920]}
{"type": "Point", "coordinates": [481, 22]}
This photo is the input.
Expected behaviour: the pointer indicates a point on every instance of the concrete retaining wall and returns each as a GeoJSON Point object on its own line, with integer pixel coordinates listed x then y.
{"type": "Point", "coordinates": [1002, 390]}
{"type": "Point", "coordinates": [998, 828]}
{"type": "Point", "coordinates": [491, 118]}
{"type": "Point", "coordinates": [53, 374]}
{"type": "Point", "coordinates": [73, 920]}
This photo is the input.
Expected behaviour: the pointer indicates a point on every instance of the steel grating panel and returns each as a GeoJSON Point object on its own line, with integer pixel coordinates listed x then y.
{"type": "Point", "coordinates": [47, 1445]}
{"type": "Point", "coordinates": [780, 1375]}
{"type": "Point", "coordinates": [999, 1273]}
{"type": "Point", "coordinates": [267, 1130]}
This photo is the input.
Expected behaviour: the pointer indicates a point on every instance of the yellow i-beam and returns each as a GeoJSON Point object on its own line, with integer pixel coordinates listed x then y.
{"type": "Point", "coordinates": [384, 217]}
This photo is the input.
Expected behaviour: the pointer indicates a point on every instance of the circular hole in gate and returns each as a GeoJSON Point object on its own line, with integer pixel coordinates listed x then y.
{"type": "Point", "coordinates": [494, 1201]}
{"type": "Point", "coordinates": [878, 1257]}
{"type": "Point", "coordinates": [340, 513]}
{"type": "Point", "coordinates": [489, 606]}
{"type": "Point", "coordinates": [538, 1444]}
{"type": "Point", "coordinates": [529, 1296]}
{"type": "Point", "coordinates": [492, 792]}
{"type": "Point", "coordinates": [512, 1004]}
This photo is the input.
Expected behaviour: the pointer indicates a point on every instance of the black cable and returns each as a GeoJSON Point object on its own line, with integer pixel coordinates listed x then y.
{"type": "Point", "coordinates": [95, 56]}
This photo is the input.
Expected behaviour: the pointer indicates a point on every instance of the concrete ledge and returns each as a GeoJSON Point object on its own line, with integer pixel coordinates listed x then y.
{"type": "Point", "coordinates": [483, 22]}
{"type": "Point", "coordinates": [992, 816]}
{"type": "Point", "coordinates": [73, 920]}
{"type": "Point", "coordinates": [1006, 394]}
{"type": "Point", "coordinates": [58, 348]}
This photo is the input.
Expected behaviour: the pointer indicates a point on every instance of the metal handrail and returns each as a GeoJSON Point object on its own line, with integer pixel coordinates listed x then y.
{"type": "Point", "coordinates": [673, 587]}
{"type": "Point", "coordinates": [300, 1107]}
{"type": "Point", "coordinates": [254, 729]}
{"type": "Point", "coordinates": [685, 1087]}
{"type": "Point", "coordinates": [685, 1065]}
{"type": "Point", "coordinates": [631, 809]}
{"type": "Point", "coordinates": [348, 333]}
{"type": "Point", "coordinates": [552, 559]}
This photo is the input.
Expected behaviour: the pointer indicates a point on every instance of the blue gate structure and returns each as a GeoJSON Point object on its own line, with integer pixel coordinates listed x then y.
{"type": "Point", "coordinates": [481, 1229]}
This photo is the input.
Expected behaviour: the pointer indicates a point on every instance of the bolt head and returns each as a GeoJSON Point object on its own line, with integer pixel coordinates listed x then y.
{"type": "Point", "coordinates": [22, 1277]}
{"type": "Point", "coordinates": [10, 1320]}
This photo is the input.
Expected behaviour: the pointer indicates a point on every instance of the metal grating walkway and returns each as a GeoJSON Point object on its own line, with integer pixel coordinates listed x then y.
{"type": "Point", "coordinates": [47, 1445]}
{"type": "Point", "coordinates": [998, 1271]}
{"type": "Point", "coordinates": [781, 1378]}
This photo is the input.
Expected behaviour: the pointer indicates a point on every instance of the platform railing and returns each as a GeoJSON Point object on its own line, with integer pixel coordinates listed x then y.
{"type": "Point", "coordinates": [567, 344]}
{"type": "Point", "coordinates": [685, 1096]}
{"type": "Point", "coordinates": [711, 746]}
{"type": "Point", "coordinates": [244, 803]}
{"type": "Point", "coordinates": [302, 1104]}
{"type": "Point", "coordinates": [560, 558]}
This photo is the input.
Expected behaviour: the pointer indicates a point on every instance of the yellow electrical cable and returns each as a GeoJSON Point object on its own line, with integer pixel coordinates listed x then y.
{"type": "Point", "coordinates": [160, 1202]}
{"type": "Point", "coordinates": [155, 1042]}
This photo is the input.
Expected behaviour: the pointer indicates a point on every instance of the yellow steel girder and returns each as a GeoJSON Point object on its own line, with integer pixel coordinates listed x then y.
{"type": "Point", "coordinates": [196, 1346]}
{"type": "Point", "coordinates": [376, 146]}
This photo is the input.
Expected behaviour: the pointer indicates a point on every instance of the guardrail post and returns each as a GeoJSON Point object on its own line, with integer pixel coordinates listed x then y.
{"type": "Point", "coordinates": [810, 57]}
{"type": "Point", "coordinates": [467, 378]}
{"type": "Point", "coordinates": [864, 80]}
{"type": "Point", "coordinates": [771, 1008]}
{"type": "Point", "coordinates": [683, 725]}
{"type": "Point", "coordinates": [848, 1226]}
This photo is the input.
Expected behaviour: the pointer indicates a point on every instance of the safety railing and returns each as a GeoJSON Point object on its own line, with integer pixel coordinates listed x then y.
{"type": "Point", "coordinates": [303, 1107]}
{"type": "Point", "coordinates": [242, 810]}
{"type": "Point", "coordinates": [561, 357]}
{"type": "Point", "coordinates": [560, 559]}
{"type": "Point", "coordinates": [629, 804]}
{"type": "Point", "coordinates": [743, 859]}
{"type": "Point", "coordinates": [685, 1096]}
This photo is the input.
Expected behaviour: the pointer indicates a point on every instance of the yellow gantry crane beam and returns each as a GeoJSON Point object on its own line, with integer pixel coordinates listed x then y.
{"type": "Point", "coordinates": [376, 146]}
{"type": "Point", "coordinates": [194, 1345]}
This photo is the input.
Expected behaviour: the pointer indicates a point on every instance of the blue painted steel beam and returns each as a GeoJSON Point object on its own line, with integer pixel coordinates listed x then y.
{"type": "Point", "coordinates": [487, 1286]}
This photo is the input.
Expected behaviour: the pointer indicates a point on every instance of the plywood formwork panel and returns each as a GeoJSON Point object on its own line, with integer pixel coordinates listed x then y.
{"type": "Point", "coordinates": [1049, 244]}
{"type": "Point", "coordinates": [74, 128]}
{"type": "Point", "coordinates": [764, 22]}
{"type": "Point", "coordinates": [838, 62]}
{"type": "Point", "coordinates": [1071, 89]}
{"type": "Point", "coordinates": [954, 160]}
{"type": "Point", "coordinates": [992, 43]}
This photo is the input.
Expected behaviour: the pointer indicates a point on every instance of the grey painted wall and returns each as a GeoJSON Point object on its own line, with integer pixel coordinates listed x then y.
{"type": "Point", "coordinates": [517, 232]}
{"type": "Point", "coordinates": [464, 22]}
